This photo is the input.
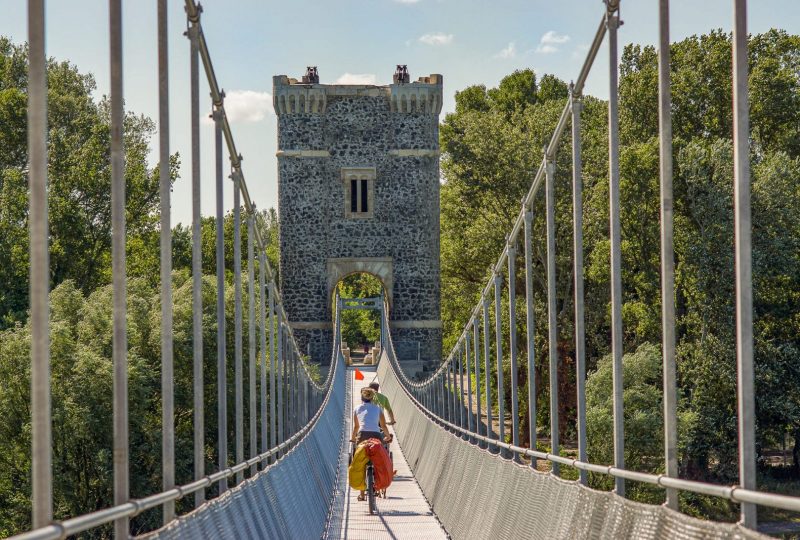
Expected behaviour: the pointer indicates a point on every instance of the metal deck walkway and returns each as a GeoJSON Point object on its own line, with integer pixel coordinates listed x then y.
{"type": "Point", "coordinates": [404, 514]}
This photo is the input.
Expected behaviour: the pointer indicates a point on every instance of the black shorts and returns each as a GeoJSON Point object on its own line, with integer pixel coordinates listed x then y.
{"type": "Point", "coordinates": [364, 435]}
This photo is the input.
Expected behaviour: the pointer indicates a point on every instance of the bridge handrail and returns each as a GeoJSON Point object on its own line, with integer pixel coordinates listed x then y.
{"type": "Point", "coordinates": [733, 493]}
{"type": "Point", "coordinates": [451, 371]}
{"type": "Point", "coordinates": [61, 529]}
{"type": "Point", "coordinates": [302, 390]}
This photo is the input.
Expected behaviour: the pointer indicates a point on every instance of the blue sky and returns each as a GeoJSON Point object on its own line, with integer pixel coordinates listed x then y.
{"type": "Point", "coordinates": [468, 41]}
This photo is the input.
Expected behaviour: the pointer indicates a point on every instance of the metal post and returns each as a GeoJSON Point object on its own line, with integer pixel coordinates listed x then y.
{"type": "Point", "coordinates": [118, 273]}
{"type": "Point", "coordinates": [41, 436]}
{"type": "Point", "coordinates": [251, 334]}
{"type": "Point", "coordinates": [437, 402]}
{"type": "Point", "coordinates": [165, 185]}
{"type": "Point", "coordinates": [263, 354]}
{"type": "Point", "coordinates": [237, 322]}
{"type": "Point", "coordinates": [469, 381]}
{"type": "Point", "coordinates": [577, 243]}
{"type": "Point", "coordinates": [279, 377]}
{"type": "Point", "coordinates": [487, 368]}
{"type": "Point", "coordinates": [451, 384]}
{"type": "Point", "coordinates": [498, 328]}
{"type": "Point", "coordinates": [197, 266]}
{"type": "Point", "coordinates": [307, 402]}
{"type": "Point", "coordinates": [273, 427]}
{"type": "Point", "coordinates": [552, 323]}
{"type": "Point", "coordinates": [512, 341]}
{"type": "Point", "coordinates": [435, 394]}
{"type": "Point", "coordinates": [612, 22]}
{"type": "Point", "coordinates": [222, 394]}
{"type": "Point", "coordinates": [440, 394]}
{"type": "Point", "coordinates": [477, 363]}
{"type": "Point", "coordinates": [460, 385]}
{"type": "Point", "coordinates": [744, 279]}
{"type": "Point", "coordinates": [293, 387]}
{"type": "Point", "coordinates": [530, 330]}
{"type": "Point", "coordinates": [443, 401]}
{"type": "Point", "coordinates": [667, 253]}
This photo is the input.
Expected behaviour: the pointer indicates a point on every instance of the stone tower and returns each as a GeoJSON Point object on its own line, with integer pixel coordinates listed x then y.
{"type": "Point", "coordinates": [358, 187]}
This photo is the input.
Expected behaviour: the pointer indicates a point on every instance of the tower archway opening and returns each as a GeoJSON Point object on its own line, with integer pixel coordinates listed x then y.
{"type": "Point", "coordinates": [361, 328]}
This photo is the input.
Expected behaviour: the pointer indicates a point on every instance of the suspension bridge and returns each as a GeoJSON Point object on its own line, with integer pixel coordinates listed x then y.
{"type": "Point", "coordinates": [461, 469]}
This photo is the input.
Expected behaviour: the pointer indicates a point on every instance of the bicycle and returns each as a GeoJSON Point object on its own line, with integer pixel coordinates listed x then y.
{"type": "Point", "coordinates": [371, 492]}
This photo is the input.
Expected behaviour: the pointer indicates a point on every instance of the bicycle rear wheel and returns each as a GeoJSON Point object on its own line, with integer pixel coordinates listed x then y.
{"type": "Point", "coordinates": [371, 489]}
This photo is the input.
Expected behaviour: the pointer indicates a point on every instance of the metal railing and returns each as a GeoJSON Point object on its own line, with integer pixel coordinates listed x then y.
{"type": "Point", "coordinates": [443, 393]}
{"type": "Point", "coordinates": [295, 398]}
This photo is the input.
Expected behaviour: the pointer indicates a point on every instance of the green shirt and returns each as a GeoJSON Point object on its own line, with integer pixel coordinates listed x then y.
{"type": "Point", "coordinates": [382, 401]}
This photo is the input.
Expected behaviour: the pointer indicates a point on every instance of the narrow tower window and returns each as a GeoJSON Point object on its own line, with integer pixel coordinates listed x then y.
{"type": "Point", "coordinates": [359, 192]}
{"type": "Point", "coordinates": [364, 196]}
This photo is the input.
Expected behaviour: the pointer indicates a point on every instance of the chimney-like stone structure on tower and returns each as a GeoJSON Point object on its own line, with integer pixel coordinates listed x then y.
{"type": "Point", "coordinates": [358, 191]}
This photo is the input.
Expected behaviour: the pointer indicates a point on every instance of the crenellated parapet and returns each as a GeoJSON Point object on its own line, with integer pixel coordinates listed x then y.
{"type": "Point", "coordinates": [421, 96]}
{"type": "Point", "coordinates": [291, 97]}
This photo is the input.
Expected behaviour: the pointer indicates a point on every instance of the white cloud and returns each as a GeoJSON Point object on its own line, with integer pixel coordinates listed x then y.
{"type": "Point", "coordinates": [246, 106]}
{"type": "Point", "coordinates": [554, 37]}
{"type": "Point", "coordinates": [508, 52]}
{"type": "Point", "coordinates": [357, 78]}
{"type": "Point", "coordinates": [548, 42]}
{"type": "Point", "coordinates": [436, 39]}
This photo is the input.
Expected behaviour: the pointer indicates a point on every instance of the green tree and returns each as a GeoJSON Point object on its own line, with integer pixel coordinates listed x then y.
{"type": "Point", "coordinates": [79, 174]}
{"type": "Point", "coordinates": [360, 327]}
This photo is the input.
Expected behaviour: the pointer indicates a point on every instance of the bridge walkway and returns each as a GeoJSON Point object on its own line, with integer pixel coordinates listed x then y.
{"type": "Point", "coordinates": [404, 514]}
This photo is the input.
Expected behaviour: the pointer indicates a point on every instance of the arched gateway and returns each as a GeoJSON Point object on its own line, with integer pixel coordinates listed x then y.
{"type": "Point", "coordinates": [358, 189]}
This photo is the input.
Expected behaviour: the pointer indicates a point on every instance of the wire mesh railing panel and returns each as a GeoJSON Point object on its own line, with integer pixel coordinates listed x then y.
{"type": "Point", "coordinates": [289, 406]}
{"type": "Point", "coordinates": [288, 499]}
{"type": "Point", "coordinates": [494, 333]}
{"type": "Point", "coordinates": [480, 494]}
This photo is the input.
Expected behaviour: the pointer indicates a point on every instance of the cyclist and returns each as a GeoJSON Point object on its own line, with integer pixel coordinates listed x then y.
{"type": "Point", "coordinates": [382, 401]}
{"type": "Point", "coordinates": [368, 421]}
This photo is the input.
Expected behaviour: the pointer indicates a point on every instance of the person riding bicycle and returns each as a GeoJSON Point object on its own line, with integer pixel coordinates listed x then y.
{"type": "Point", "coordinates": [369, 422]}
{"type": "Point", "coordinates": [382, 401]}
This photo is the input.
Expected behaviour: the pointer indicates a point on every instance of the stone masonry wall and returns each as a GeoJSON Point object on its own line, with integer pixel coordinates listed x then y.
{"type": "Point", "coordinates": [395, 130]}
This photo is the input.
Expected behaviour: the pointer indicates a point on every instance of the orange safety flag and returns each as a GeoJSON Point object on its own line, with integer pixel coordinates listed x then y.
{"type": "Point", "coordinates": [359, 375]}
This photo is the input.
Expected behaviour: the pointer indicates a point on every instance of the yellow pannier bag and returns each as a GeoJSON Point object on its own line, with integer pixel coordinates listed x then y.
{"type": "Point", "coordinates": [357, 473]}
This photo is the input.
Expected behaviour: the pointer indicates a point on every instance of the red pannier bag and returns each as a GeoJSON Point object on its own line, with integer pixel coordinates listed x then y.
{"type": "Point", "coordinates": [381, 463]}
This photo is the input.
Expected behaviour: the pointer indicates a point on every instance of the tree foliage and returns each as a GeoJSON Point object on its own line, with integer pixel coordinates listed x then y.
{"type": "Point", "coordinates": [490, 147]}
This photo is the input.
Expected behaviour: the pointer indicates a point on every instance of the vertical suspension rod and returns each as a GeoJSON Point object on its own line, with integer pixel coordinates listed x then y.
{"type": "Point", "coordinates": [222, 395]}
{"type": "Point", "coordinates": [197, 268]}
{"type": "Point", "coordinates": [744, 278]}
{"type": "Point", "coordinates": [165, 184]}
{"type": "Point", "coordinates": [530, 329]}
{"type": "Point", "coordinates": [263, 353]}
{"type": "Point", "coordinates": [487, 368]}
{"type": "Point", "coordinates": [237, 324]}
{"type": "Point", "coordinates": [612, 18]}
{"type": "Point", "coordinates": [498, 328]}
{"type": "Point", "coordinates": [512, 340]}
{"type": "Point", "coordinates": [577, 245]}
{"type": "Point", "coordinates": [477, 363]}
{"type": "Point", "coordinates": [667, 252]}
{"type": "Point", "coordinates": [273, 393]}
{"type": "Point", "coordinates": [118, 272]}
{"type": "Point", "coordinates": [251, 339]}
{"type": "Point", "coordinates": [41, 436]}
